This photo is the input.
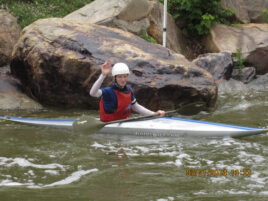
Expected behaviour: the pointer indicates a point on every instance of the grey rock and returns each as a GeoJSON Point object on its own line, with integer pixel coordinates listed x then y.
{"type": "Point", "coordinates": [220, 65]}
{"type": "Point", "coordinates": [9, 34]}
{"type": "Point", "coordinates": [244, 75]}
{"type": "Point", "coordinates": [12, 97]}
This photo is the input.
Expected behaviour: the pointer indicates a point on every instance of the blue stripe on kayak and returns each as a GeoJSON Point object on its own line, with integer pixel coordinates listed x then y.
{"type": "Point", "coordinates": [174, 118]}
{"type": "Point", "coordinates": [212, 123]}
{"type": "Point", "coordinates": [43, 120]}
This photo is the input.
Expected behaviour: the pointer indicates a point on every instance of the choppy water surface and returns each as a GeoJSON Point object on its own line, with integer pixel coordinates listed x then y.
{"type": "Point", "coordinates": [45, 164]}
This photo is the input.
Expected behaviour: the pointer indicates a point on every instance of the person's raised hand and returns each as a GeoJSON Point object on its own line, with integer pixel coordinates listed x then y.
{"type": "Point", "coordinates": [106, 68]}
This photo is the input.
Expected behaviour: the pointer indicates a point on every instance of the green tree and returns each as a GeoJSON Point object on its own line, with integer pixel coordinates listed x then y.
{"type": "Point", "coordinates": [198, 15]}
{"type": "Point", "coordinates": [239, 60]}
{"type": "Point", "coordinates": [265, 15]}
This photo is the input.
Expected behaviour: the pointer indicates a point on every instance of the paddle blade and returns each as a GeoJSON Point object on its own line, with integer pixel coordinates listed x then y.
{"type": "Point", "coordinates": [87, 124]}
{"type": "Point", "coordinates": [192, 108]}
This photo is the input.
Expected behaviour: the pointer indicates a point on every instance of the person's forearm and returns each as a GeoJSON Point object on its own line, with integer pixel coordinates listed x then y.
{"type": "Point", "coordinates": [95, 90]}
{"type": "Point", "coordinates": [141, 110]}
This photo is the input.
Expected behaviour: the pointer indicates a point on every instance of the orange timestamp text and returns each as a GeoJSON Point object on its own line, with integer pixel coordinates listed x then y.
{"type": "Point", "coordinates": [218, 172]}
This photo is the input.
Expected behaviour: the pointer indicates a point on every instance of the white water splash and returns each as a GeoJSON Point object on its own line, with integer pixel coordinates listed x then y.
{"type": "Point", "coordinates": [75, 176]}
{"type": "Point", "coordinates": [8, 182]}
{"type": "Point", "coordinates": [264, 193]}
{"type": "Point", "coordinates": [50, 169]}
{"type": "Point", "coordinates": [22, 162]}
{"type": "Point", "coordinates": [234, 192]}
{"type": "Point", "coordinates": [97, 145]}
{"type": "Point", "coordinates": [166, 199]}
{"type": "Point", "coordinates": [52, 172]}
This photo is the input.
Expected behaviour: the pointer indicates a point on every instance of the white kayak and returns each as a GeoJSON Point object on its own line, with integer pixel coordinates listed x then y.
{"type": "Point", "coordinates": [165, 126]}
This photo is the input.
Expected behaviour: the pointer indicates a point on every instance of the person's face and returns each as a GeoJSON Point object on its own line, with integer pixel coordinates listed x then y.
{"type": "Point", "coordinates": [121, 80]}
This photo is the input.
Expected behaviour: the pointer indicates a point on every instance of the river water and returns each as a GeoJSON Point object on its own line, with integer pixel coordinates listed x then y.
{"type": "Point", "coordinates": [49, 164]}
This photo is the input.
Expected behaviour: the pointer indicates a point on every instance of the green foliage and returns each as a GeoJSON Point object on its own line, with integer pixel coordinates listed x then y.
{"type": "Point", "coordinates": [28, 11]}
{"type": "Point", "coordinates": [238, 60]}
{"type": "Point", "coordinates": [265, 15]}
{"type": "Point", "coordinates": [148, 38]}
{"type": "Point", "coordinates": [199, 15]}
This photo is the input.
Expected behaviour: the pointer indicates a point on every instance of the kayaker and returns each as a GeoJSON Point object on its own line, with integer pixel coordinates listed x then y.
{"type": "Point", "coordinates": [118, 99]}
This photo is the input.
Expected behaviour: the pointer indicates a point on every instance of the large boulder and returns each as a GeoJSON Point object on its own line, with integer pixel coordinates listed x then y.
{"type": "Point", "coordinates": [9, 34]}
{"type": "Point", "coordinates": [54, 57]}
{"type": "Point", "coordinates": [252, 39]}
{"type": "Point", "coordinates": [244, 75]}
{"type": "Point", "coordinates": [260, 83]}
{"type": "Point", "coordinates": [247, 11]}
{"type": "Point", "coordinates": [11, 96]}
{"type": "Point", "coordinates": [220, 65]}
{"type": "Point", "coordinates": [129, 15]}
{"type": "Point", "coordinates": [135, 16]}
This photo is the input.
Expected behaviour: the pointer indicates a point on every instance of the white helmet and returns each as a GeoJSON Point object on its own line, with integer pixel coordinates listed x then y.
{"type": "Point", "coordinates": [119, 69]}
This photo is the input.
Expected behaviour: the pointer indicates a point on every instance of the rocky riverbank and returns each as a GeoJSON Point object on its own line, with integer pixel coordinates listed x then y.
{"type": "Point", "coordinates": [54, 57]}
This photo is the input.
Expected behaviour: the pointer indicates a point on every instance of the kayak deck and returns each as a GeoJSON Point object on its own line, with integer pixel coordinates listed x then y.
{"type": "Point", "coordinates": [165, 126]}
{"type": "Point", "coordinates": [171, 126]}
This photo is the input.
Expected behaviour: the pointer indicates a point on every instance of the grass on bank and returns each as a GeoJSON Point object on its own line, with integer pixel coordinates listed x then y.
{"type": "Point", "coordinates": [148, 38]}
{"type": "Point", "coordinates": [28, 11]}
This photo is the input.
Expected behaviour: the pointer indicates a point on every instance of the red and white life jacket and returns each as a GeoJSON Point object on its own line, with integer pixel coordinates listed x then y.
{"type": "Point", "coordinates": [123, 107]}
